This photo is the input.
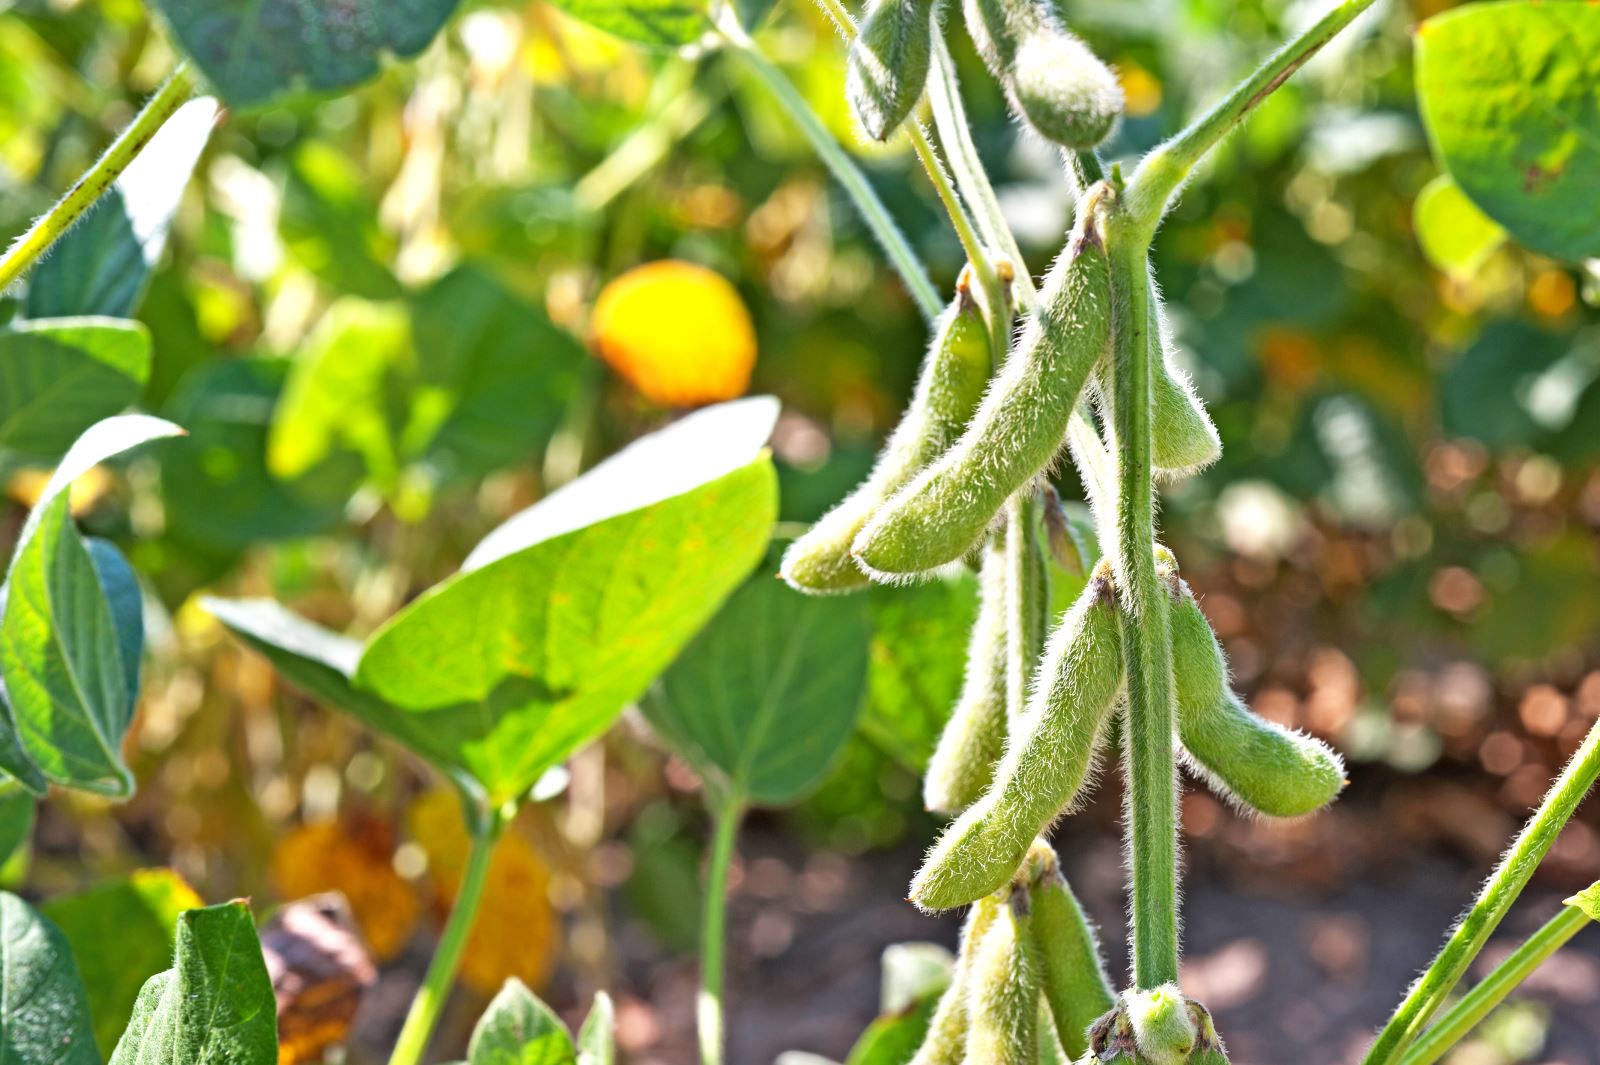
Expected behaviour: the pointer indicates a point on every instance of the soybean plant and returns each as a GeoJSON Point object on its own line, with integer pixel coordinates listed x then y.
{"type": "Point", "coordinates": [1090, 373]}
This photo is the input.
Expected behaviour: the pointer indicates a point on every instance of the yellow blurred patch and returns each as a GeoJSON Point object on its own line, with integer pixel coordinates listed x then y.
{"type": "Point", "coordinates": [26, 486]}
{"type": "Point", "coordinates": [677, 332]}
{"type": "Point", "coordinates": [516, 932]}
{"type": "Point", "coordinates": [1141, 92]}
{"type": "Point", "coordinates": [1552, 293]}
{"type": "Point", "coordinates": [356, 857]}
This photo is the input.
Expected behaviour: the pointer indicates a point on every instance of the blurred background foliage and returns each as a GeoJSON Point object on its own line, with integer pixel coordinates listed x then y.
{"type": "Point", "coordinates": [379, 318]}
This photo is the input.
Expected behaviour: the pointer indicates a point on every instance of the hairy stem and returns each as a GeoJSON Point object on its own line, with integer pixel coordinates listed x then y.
{"type": "Point", "coordinates": [1164, 169]}
{"type": "Point", "coordinates": [99, 177]}
{"type": "Point", "coordinates": [838, 161]}
{"type": "Point", "coordinates": [726, 815]}
{"type": "Point", "coordinates": [430, 998]}
{"type": "Point", "coordinates": [1512, 875]}
{"type": "Point", "coordinates": [1146, 629]}
{"type": "Point", "coordinates": [1492, 990]}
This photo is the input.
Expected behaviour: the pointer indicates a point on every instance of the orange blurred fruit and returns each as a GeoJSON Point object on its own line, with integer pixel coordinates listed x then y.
{"type": "Point", "coordinates": [677, 332]}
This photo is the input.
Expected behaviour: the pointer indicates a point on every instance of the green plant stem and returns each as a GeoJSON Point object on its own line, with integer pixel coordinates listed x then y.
{"type": "Point", "coordinates": [641, 150]}
{"type": "Point", "coordinates": [1167, 166]}
{"type": "Point", "coordinates": [1146, 631]}
{"type": "Point", "coordinates": [726, 815]}
{"type": "Point", "coordinates": [1492, 990]}
{"type": "Point", "coordinates": [1512, 875]}
{"type": "Point", "coordinates": [844, 169]}
{"type": "Point", "coordinates": [430, 998]}
{"type": "Point", "coordinates": [99, 177]}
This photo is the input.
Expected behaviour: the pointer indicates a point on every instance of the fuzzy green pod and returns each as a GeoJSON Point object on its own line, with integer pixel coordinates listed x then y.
{"type": "Point", "coordinates": [1071, 974]}
{"type": "Point", "coordinates": [1053, 81]}
{"type": "Point", "coordinates": [1003, 991]}
{"type": "Point", "coordinates": [1255, 763]}
{"type": "Point", "coordinates": [946, 1040]}
{"type": "Point", "coordinates": [1027, 599]}
{"type": "Point", "coordinates": [1183, 439]}
{"type": "Point", "coordinates": [888, 64]}
{"type": "Point", "coordinates": [1018, 428]}
{"type": "Point", "coordinates": [974, 737]}
{"type": "Point", "coordinates": [948, 390]}
{"type": "Point", "coordinates": [1047, 760]}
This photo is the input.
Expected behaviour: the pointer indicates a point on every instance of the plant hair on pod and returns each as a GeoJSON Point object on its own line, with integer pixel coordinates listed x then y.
{"type": "Point", "coordinates": [946, 1040]}
{"type": "Point", "coordinates": [1071, 975]}
{"type": "Point", "coordinates": [1003, 991]}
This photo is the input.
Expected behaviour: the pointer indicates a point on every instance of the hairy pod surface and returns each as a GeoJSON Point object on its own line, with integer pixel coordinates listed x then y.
{"type": "Point", "coordinates": [1071, 975]}
{"type": "Point", "coordinates": [1047, 759]}
{"type": "Point", "coordinates": [1027, 599]}
{"type": "Point", "coordinates": [1052, 80]}
{"type": "Point", "coordinates": [1003, 991]}
{"type": "Point", "coordinates": [975, 736]}
{"type": "Point", "coordinates": [946, 1040]}
{"type": "Point", "coordinates": [1018, 428]}
{"type": "Point", "coordinates": [887, 68]}
{"type": "Point", "coordinates": [1183, 440]}
{"type": "Point", "coordinates": [1255, 763]}
{"type": "Point", "coordinates": [948, 390]}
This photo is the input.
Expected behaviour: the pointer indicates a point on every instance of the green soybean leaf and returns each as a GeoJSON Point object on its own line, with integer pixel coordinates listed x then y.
{"type": "Point", "coordinates": [762, 701]}
{"type": "Point", "coordinates": [1510, 94]}
{"type": "Point", "coordinates": [1587, 900]}
{"type": "Point", "coordinates": [329, 223]}
{"type": "Point", "coordinates": [914, 976]}
{"type": "Point", "coordinates": [44, 1018]}
{"type": "Point", "coordinates": [918, 656]}
{"type": "Point", "coordinates": [1454, 234]}
{"type": "Point", "coordinates": [256, 50]}
{"type": "Point", "coordinates": [519, 1029]}
{"type": "Point", "coordinates": [122, 932]}
{"type": "Point", "coordinates": [214, 1006]}
{"type": "Point", "coordinates": [60, 376]}
{"type": "Point", "coordinates": [597, 1040]}
{"type": "Point", "coordinates": [565, 614]}
{"type": "Point", "coordinates": [102, 264]}
{"type": "Point", "coordinates": [660, 23]}
{"type": "Point", "coordinates": [16, 819]}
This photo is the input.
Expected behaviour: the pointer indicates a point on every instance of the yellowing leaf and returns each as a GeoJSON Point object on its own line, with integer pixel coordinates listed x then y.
{"type": "Point", "coordinates": [677, 332]}
{"type": "Point", "coordinates": [357, 859]}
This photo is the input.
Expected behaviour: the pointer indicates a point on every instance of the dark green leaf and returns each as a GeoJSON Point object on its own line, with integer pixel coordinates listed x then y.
{"type": "Point", "coordinates": [60, 376]}
{"type": "Point", "coordinates": [1510, 93]}
{"type": "Point", "coordinates": [122, 932]}
{"type": "Point", "coordinates": [518, 1029]}
{"type": "Point", "coordinates": [214, 1006]}
{"type": "Point", "coordinates": [102, 264]}
{"type": "Point", "coordinates": [255, 50]}
{"type": "Point", "coordinates": [16, 819]}
{"type": "Point", "coordinates": [44, 1019]}
{"type": "Point", "coordinates": [764, 698]}
{"type": "Point", "coordinates": [919, 655]}
{"type": "Point", "coordinates": [661, 23]}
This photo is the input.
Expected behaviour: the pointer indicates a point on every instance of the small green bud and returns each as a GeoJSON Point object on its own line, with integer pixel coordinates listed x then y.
{"type": "Point", "coordinates": [1071, 974]}
{"type": "Point", "coordinates": [1255, 763]}
{"type": "Point", "coordinates": [974, 738]}
{"type": "Point", "coordinates": [888, 64]}
{"type": "Point", "coordinates": [1064, 91]}
{"type": "Point", "coordinates": [1047, 761]}
{"type": "Point", "coordinates": [1018, 428]}
{"type": "Point", "coordinates": [1163, 1028]}
{"type": "Point", "coordinates": [1003, 992]}
{"type": "Point", "coordinates": [948, 390]}
{"type": "Point", "coordinates": [1067, 545]}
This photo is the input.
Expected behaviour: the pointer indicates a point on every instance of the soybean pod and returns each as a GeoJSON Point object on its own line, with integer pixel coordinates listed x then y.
{"type": "Point", "coordinates": [1255, 763]}
{"type": "Point", "coordinates": [1003, 991]}
{"type": "Point", "coordinates": [1183, 439]}
{"type": "Point", "coordinates": [975, 735]}
{"type": "Point", "coordinates": [946, 1040]}
{"type": "Point", "coordinates": [1027, 599]}
{"type": "Point", "coordinates": [1047, 759]}
{"type": "Point", "coordinates": [948, 390]}
{"type": "Point", "coordinates": [1071, 975]}
{"type": "Point", "coordinates": [888, 64]}
{"type": "Point", "coordinates": [1018, 428]}
{"type": "Point", "coordinates": [1052, 80]}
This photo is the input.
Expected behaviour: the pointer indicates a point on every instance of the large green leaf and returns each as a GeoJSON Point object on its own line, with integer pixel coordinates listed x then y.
{"type": "Point", "coordinates": [660, 23]}
{"type": "Point", "coordinates": [255, 50]}
{"type": "Point", "coordinates": [1510, 93]}
{"type": "Point", "coordinates": [44, 1018]}
{"type": "Point", "coordinates": [918, 659]}
{"type": "Point", "coordinates": [71, 634]}
{"type": "Point", "coordinates": [17, 809]}
{"type": "Point", "coordinates": [122, 932]}
{"type": "Point", "coordinates": [762, 701]}
{"type": "Point", "coordinates": [1454, 234]}
{"type": "Point", "coordinates": [519, 1029]}
{"type": "Point", "coordinates": [102, 264]}
{"type": "Point", "coordinates": [59, 376]}
{"type": "Point", "coordinates": [214, 1006]}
